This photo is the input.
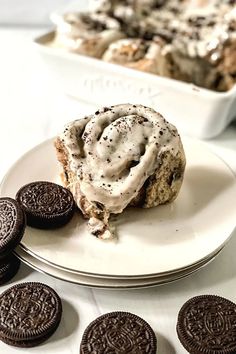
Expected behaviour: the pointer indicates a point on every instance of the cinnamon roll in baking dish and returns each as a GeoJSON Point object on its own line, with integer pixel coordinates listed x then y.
{"type": "Point", "coordinates": [137, 6]}
{"type": "Point", "coordinates": [198, 37]}
{"type": "Point", "coordinates": [137, 54]}
{"type": "Point", "coordinates": [86, 33]}
{"type": "Point", "coordinates": [124, 155]}
{"type": "Point", "coordinates": [130, 13]}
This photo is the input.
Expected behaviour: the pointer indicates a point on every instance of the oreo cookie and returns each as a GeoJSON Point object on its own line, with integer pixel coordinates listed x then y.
{"type": "Point", "coordinates": [118, 332]}
{"type": "Point", "coordinates": [207, 324]}
{"type": "Point", "coordinates": [29, 314]}
{"type": "Point", "coordinates": [8, 269]}
{"type": "Point", "coordinates": [12, 225]}
{"type": "Point", "coordinates": [47, 205]}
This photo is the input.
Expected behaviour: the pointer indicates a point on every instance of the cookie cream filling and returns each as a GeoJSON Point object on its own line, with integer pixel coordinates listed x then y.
{"type": "Point", "coordinates": [114, 151]}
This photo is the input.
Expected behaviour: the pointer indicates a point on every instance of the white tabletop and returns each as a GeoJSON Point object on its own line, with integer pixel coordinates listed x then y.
{"type": "Point", "coordinates": [33, 109]}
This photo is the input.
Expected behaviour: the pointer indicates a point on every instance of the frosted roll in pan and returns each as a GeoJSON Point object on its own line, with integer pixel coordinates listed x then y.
{"type": "Point", "coordinates": [85, 33]}
{"type": "Point", "coordinates": [136, 54]}
{"type": "Point", "coordinates": [194, 111]}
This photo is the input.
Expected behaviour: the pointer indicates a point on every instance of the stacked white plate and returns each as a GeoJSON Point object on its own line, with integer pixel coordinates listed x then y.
{"type": "Point", "coordinates": [153, 246]}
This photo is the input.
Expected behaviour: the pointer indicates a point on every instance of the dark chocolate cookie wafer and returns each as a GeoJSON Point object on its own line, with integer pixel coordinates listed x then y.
{"type": "Point", "coordinates": [47, 205]}
{"type": "Point", "coordinates": [207, 324]}
{"type": "Point", "coordinates": [8, 269]}
{"type": "Point", "coordinates": [29, 314]}
{"type": "Point", "coordinates": [12, 225]}
{"type": "Point", "coordinates": [118, 333]}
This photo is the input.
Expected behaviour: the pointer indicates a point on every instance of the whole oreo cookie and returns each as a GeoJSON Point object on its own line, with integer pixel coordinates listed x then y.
{"type": "Point", "coordinates": [207, 324]}
{"type": "Point", "coordinates": [47, 205]}
{"type": "Point", "coordinates": [8, 269]}
{"type": "Point", "coordinates": [118, 332]}
{"type": "Point", "coordinates": [12, 225]}
{"type": "Point", "coordinates": [29, 314]}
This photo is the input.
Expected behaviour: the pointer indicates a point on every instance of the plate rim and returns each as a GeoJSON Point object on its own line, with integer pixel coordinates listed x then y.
{"type": "Point", "coordinates": [124, 277]}
{"type": "Point", "coordinates": [119, 287]}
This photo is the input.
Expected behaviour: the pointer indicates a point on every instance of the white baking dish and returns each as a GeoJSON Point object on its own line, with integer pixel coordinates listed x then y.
{"type": "Point", "coordinates": [195, 111]}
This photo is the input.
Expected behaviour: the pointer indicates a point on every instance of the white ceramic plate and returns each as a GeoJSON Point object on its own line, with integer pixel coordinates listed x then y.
{"type": "Point", "coordinates": [150, 243]}
{"type": "Point", "coordinates": [106, 283]}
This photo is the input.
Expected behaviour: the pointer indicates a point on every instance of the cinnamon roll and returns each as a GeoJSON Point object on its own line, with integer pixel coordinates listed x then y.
{"type": "Point", "coordinates": [130, 13]}
{"type": "Point", "coordinates": [106, 6]}
{"type": "Point", "coordinates": [203, 50]}
{"type": "Point", "coordinates": [198, 37]}
{"type": "Point", "coordinates": [86, 33]}
{"type": "Point", "coordinates": [135, 9]}
{"type": "Point", "coordinates": [124, 155]}
{"type": "Point", "coordinates": [137, 6]}
{"type": "Point", "coordinates": [137, 54]}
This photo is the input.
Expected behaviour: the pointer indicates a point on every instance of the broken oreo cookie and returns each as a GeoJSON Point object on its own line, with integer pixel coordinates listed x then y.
{"type": "Point", "coordinates": [118, 332]}
{"type": "Point", "coordinates": [12, 225]}
{"type": "Point", "coordinates": [29, 314]}
{"type": "Point", "coordinates": [207, 324]}
{"type": "Point", "coordinates": [47, 205]}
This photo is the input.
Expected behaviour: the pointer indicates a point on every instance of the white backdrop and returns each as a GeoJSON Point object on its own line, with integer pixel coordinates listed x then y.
{"type": "Point", "coordinates": [29, 12]}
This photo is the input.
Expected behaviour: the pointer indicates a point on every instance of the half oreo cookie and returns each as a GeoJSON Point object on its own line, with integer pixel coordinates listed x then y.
{"type": "Point", "coordinates": [8, 269]}
{"type": "Point", "coordinates": [47, 205]}
{"type": "Point", "coordinates": [29, 314]}
{"type": "Point", "coordinates": [118, 332]}
{"type": "Point", "coordinates": [12, 225]}
{"type": "Point", "coordinates": [207, 324]}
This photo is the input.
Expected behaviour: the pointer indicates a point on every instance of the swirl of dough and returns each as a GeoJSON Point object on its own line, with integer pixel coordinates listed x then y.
{"type": "Point", "coordinates": [136, 53]}
{"type": "Point", "coordinates": [112, 153]}
{"type": "Point", "coordinates": [87, 33]}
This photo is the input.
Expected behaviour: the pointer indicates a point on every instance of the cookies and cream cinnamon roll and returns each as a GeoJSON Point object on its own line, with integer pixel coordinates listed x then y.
{"type": "Point", "coordinates": [135, 9]}
{"type": "Point", "coordinates": [106, 6]}
{"type": "Point", "coordinates": [129, 12]}
{"type": "Point", "coordinates": [87, 33]}
{"type": "Point", "coordinates": [136, 53]}
{"type": "Point", "coordinates": [121, 155]}
{"type": "Point", "coordinates": [111, 5]}
{"type": "Point", "coordinates": [203, 50]}
{"type": "Point", "coordinates": [199, 37]}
